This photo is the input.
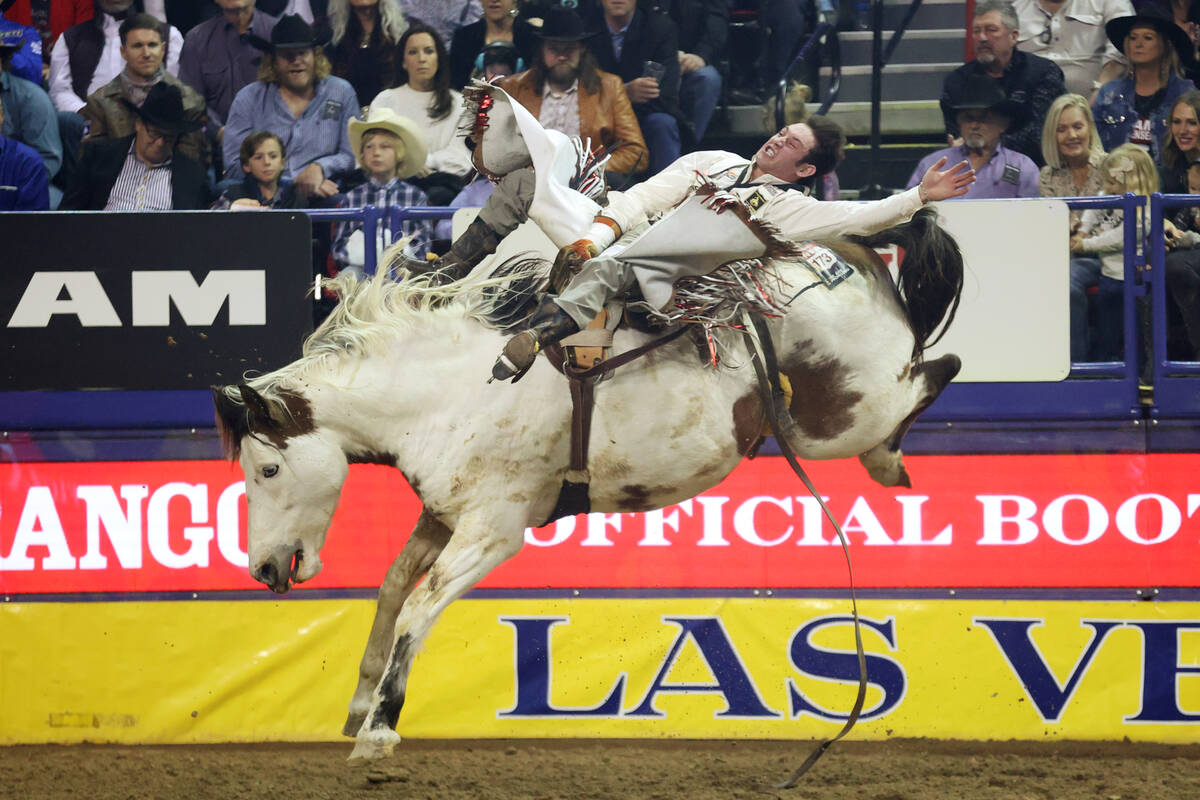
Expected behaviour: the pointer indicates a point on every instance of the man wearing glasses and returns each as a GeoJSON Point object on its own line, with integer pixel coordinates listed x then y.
{"type": "Point", "coordinates": [142, 172]}
{"type": "Point", "coordinates": [1029, 81]}
{"type": "Point", "coordinates": [1071, 34]}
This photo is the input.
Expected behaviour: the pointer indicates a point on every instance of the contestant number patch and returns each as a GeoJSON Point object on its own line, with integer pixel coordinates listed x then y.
{"type": "Point", "coordinates": [824, 263]}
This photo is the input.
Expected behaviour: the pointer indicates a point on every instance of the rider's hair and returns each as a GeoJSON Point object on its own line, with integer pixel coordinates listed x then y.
{"type": "Point", "coordinates": [828, 152]}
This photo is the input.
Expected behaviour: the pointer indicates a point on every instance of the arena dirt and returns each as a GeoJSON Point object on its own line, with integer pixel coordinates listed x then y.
{"type": "Point", "coordinates": [581, 770]}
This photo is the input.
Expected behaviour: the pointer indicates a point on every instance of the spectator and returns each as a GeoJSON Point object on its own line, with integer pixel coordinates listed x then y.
{"type": "Point", "coordinates": [499, 25]}
{"type": "Point", "coordinates": [1126, 169]}
{"type": "Point", "coordinates": [1183, 276]}
{"type": "Point", "coordinates": [641, 46]}
{"type": "Point", "coordinates": [424, 96]}
{"type": "Point", "coordinates": [1071, 34]}
{"type": "Point", "coordinates": [107, 110]}
{"type": "Point", "coordinates": [26, 46]}
{"type": "Point", "coordinates": [29, 116]}
{"type": "Point", "coordinates": [142, 172]}
{"type": "Point", "coordinates": [262, 157]}
{"type": "Point", "coordinates": [314, 12]}
{"type": "Point", "coordinates": [444, 16]}
{"type": "Point", "coordinates": [297, 99]}
{"type": "Point", "coordinates": [1030, 82]}
{"type": "Point", "coordinates": [499, 60]}
{"type": "Point", "coordinates": [88, 55]}
{"type": "Point", "coordinates": [24, 185]}
{"type": "Point", "coordinates": [365, 45]}
{"type": "Point", "coordinates": [53, 17]}
{"type": "Point", "coordinates": [1134, 108]}
{"type": "Point", "coordinates": [703, 28]}
{"type": "Point", "coordinates": [390, 149]}
{"type": "Point", "coordinates": [1182, 146]}
{"type": "Point", "coordinates": [566, 91]}
{"type": "Point", "coordinates": [217, 61]}
{"type": "Point", "coordinates": [983, 114]}
{"type": "Point", "coordinates": [1072, 150]}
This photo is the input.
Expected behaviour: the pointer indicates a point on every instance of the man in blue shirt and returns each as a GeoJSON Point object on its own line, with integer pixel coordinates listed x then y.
{"type": "Point", "coordinates": [29, 116]}
{"type": "Point", "coordinates": [983, 114]}
{"type": "Point", "coordinates": [298, 100]}
{"type": "Point", "coordinates": [24, 185]}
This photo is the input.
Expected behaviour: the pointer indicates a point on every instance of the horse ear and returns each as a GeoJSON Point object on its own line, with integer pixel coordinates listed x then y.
{"type": "Point", "coordinates": [257, 405]}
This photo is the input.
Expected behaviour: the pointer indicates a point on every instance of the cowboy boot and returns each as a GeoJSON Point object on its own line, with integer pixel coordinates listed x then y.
{"type": "Point", "coordinates": [548, 325]}
{"type": "Point", "coordinates": [477, 242]}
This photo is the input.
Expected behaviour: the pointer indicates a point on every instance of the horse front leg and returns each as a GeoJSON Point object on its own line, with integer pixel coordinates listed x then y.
{"type": "Point", "coordinates": [475, 549]}
{"type": "Point", "coordinates": [419, 552]}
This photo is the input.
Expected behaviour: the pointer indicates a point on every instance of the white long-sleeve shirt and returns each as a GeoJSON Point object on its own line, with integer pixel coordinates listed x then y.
{"type": "Point", "coordinates": [62, 93]}
{"type": "Point", "coordinates": [794, 213]}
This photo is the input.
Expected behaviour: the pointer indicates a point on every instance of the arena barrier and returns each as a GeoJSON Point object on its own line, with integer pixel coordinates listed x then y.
{"type": "Point", "coordinates": [1009, 594]}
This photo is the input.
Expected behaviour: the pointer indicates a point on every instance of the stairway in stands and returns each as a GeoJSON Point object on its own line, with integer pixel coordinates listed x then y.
{"type": "Point", "coordinates": [911, 120]}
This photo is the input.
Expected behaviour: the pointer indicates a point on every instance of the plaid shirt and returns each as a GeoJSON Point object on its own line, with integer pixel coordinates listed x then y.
{"type": "Point", "coordinates": [393, 194]}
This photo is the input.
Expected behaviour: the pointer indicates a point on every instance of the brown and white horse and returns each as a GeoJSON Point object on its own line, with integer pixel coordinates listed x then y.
{"type": "Point", "coordinates": [398, 375]}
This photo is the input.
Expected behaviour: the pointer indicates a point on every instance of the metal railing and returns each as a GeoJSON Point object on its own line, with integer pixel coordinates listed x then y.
{"type": "Point", "coordinates": [371, 216]}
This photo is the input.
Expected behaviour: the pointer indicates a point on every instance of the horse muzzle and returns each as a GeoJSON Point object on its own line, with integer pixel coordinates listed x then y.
{"type": "Point", "coordinates": [284, 568]}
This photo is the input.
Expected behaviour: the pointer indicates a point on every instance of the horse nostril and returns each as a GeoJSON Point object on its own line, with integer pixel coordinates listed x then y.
{"type": "Point", "coordinates": [267, 574]}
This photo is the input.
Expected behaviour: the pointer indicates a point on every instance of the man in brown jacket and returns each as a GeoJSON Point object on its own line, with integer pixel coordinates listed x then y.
{"type": "Point", "coordinates": [567, 92]}
{"type": "Point", "coordinates": [143, 49]}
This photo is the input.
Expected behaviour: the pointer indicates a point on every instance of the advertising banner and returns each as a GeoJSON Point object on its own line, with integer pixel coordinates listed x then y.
{"type": "Point", "coordinates": [169, 672]}
{"type": "Point", "coordinates": [969, 521]}
{"type": "Point", "coordinates": [192, 299]}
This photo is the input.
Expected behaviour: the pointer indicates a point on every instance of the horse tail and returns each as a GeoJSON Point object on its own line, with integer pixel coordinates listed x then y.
{"type": "Point", "coordinates": [931, 275]}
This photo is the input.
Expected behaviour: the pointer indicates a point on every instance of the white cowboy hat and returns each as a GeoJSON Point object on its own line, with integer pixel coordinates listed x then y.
{"type": "Point", "coordinates": [415, 147]}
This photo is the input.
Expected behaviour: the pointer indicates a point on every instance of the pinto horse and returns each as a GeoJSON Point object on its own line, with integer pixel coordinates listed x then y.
{"type": "Point", "coordinates": [398, 375]}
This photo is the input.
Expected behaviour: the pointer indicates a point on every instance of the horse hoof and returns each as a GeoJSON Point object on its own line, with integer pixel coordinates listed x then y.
{"type": "Point", "coordinates": [374, 745]}
{"type": "Point", "coordinates": [353, 724]}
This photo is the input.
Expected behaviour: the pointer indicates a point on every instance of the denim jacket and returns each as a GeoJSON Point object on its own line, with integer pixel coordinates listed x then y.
{"type": "Point", "coordinates": [1115, 114]}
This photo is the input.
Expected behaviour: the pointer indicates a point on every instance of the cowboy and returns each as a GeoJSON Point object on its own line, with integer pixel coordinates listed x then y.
{"type": "Point", "coordinates": [142, 172]}
{"type": "Point", "coordinates": [568, 92]}
{"type": "Point", "coordinates": [692, 236]}
{"type": "Point", "coordinates": [24, 185]}
{"type": "Point", "coordinates": [297, 99]}
{"type": "Point", "coordinates": [983, 114]}
{"type": "Point", "coordinates": [107, 110]}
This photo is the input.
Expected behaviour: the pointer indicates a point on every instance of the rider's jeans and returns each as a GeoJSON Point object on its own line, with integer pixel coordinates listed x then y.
{"type": "Point", "coordinates": [602, 278]}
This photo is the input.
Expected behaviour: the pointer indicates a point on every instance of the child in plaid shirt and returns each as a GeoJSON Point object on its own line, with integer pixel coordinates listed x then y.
{"type": "Point", "coordinates": [390, 148]}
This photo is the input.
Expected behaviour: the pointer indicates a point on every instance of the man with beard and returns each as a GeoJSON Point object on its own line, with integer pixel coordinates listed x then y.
{"type": "Point", "coordinates": [297, 99]}
{"type": "Point", "coordinates": [567, 92]}
{"type": "Point", "coordinates": [108, 111]}
{"type": "Point", "coordinates": [1028, 81]}
{"type": "Point", "coordinates": [983, 113]}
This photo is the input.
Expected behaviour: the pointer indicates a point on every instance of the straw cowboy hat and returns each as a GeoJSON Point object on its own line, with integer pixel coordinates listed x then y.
{"type": "Point", "coordinates": [163, 109]}
{"type": "Point", "coordinates": [415, 146]}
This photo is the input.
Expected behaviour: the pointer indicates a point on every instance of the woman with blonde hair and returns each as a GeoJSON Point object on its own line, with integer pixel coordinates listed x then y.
{"type": "Point", "coordinates": [1134, 108]}
{"type": "Point", "coordinates": [1072, 150]}
{"type": "Point", "coordinates": [364, 46]}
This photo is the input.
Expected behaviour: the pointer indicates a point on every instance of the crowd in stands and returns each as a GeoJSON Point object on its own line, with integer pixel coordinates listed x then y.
{"type": "Point", "coordinates": [237, 104]}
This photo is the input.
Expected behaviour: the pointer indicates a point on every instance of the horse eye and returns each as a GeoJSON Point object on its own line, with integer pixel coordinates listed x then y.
{"type": "Point", "coordinates": [270, 470]}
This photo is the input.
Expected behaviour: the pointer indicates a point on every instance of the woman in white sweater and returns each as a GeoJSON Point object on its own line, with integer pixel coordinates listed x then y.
{"type": "Point", "coordinates": [424, 96]}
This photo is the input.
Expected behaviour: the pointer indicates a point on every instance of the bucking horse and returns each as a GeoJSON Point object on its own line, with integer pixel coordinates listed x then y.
{"type": "Point", "coordinates": [398, 375]}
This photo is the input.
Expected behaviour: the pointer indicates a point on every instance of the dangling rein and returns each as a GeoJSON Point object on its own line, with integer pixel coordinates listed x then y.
{"type": "Point", "coordinates": [776, 408]}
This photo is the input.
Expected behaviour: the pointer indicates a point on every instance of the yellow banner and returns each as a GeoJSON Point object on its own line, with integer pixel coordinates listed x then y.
{"type": "Point", "coordinates": [703, 668]}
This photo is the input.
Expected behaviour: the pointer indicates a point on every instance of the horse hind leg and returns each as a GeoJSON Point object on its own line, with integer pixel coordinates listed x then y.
{"type": "Point", "coordinates": [884, 461]}
{"type": "Point", "coordinates": [427, 540]}
{"type": "Point", "coordinates": [473, 551]}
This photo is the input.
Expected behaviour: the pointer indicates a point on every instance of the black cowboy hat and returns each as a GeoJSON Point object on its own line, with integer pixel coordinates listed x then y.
{"type": "Point", "coordinates": [561, 24]}
{"type": "Point", "coordinates": [163, 108]}
{"type": "Point", "coordinates": [981, 91]}
{"type": "Point", "coordinates": [1157, 17]}
{"type": "Point", "coordinates": [290, 33]}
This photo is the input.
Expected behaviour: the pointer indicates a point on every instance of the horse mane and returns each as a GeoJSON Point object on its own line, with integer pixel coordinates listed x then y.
{"type": "Point", "coordinates": [373, 310]}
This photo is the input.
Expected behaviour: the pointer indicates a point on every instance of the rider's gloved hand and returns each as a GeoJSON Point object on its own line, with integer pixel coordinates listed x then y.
{"type": "Point", "coordinates": [578, 252]}
{"type": "Point", "coordinates": [719, 201]}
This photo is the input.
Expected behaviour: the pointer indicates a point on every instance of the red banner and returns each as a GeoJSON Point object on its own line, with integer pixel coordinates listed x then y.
{"type": "Point", "coordinates": [970, 521]}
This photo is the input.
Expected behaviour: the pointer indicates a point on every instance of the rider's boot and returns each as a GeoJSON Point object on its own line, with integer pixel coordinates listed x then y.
{"type": "Point", "coordinates": [548, 325]}
{"type": "Point", "coordinates": [477, 242]}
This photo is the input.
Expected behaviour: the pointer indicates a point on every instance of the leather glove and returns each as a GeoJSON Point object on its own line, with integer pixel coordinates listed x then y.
{"type": "Point", "coordinates": [569, 260]}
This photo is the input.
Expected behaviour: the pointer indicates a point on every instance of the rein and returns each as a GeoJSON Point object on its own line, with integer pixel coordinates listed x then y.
{"type": "Point", "coordinates": [775, 407]}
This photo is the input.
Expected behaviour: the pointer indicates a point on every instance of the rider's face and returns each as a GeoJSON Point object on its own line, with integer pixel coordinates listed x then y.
{"type": "Point", "coordinates": [785, 154]}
